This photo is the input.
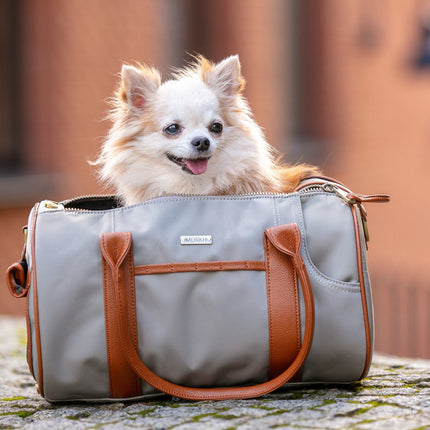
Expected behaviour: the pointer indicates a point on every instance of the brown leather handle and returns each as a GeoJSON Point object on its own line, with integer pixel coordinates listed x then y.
{"type": "Point", "coordinates": [286, 239]}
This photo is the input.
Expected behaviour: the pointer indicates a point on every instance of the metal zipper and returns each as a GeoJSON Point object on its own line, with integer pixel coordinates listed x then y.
{"type": "Point", "coordinates": [325, 187]}
{"type": "Point", "coordinates": [87, 197]}
{"type": "Point", "coordinates": [345, 196]}
{"type": "Point", "coordinates": [63, 205]}
{"type": "Point", "coordinates": [328, 187]}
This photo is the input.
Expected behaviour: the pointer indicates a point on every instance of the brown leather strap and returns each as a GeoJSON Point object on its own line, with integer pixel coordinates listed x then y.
{"type": "Point", "coordinates": [282, 300]}
{"type": "Point", "coordinates": [289, 243]}
{"type": "Point", "coordinates": [118, 263]}
{"type": "Point", "coordinates": [209, 266]}
{"type": "Point", "coordinates": [368, 198]}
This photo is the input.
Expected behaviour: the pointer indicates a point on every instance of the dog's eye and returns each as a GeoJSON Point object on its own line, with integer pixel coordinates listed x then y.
{"type": "Point", "coordinates": [172, 129]}
{"type": "Point", "coordinates": [216, 128]}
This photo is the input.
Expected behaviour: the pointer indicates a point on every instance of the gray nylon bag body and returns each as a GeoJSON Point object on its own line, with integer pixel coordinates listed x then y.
{"type": "Point", "coordinates": [197, 329]}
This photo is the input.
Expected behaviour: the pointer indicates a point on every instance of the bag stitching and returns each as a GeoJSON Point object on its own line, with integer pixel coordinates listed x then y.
{"type": "Point", "coordinates": [107, 328]}
{"type": "Point", "coordinates": [347, 287]}
{"type": "Point", "coordinates": [269, 289]}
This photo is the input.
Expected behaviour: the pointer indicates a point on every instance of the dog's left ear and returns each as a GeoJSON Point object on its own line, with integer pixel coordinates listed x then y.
{"type": "Point", "coordinates": [225, 77]}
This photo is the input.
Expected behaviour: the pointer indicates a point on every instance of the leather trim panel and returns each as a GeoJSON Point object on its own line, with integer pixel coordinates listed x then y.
{"type": "Point", "coordinates": [282, 301]}
{"type": "Point", "coordinates": [210, 266]}
{"type": "Point", "coordinates": [123, 381]}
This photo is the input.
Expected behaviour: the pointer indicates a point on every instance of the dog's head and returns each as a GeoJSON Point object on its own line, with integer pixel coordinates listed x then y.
{"type": "Point", "coordinates": [190, 134]}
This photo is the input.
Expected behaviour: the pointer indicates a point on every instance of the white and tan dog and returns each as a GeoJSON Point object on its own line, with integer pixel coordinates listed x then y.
{"type": "Point", "coordinates": [194, 134]}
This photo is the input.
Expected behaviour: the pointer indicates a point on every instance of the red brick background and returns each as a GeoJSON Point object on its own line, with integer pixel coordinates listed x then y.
{"type": "Point", "coordinates": [364, 100]}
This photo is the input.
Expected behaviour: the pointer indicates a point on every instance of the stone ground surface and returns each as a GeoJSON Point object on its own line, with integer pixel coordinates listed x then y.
{"type": "Point", "coordinates": [396, 395]}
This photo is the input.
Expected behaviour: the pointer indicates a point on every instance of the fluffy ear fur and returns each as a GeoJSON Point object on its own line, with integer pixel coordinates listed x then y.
{"type": "Point", "coordinates": [137, 85]}
{"type": "Point", "coordinates": [224, 77]}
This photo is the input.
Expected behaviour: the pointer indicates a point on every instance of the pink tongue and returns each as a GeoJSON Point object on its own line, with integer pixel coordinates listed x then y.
{"type": "Point", "coordinates": [197, 166]}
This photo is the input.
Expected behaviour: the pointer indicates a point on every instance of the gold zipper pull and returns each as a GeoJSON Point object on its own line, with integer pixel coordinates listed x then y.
{"type": "Point", "coordinates": [347, 197]}
{"type": "Point", "coordinates": [49, 204]}
{"type": "Point", "coordinates": [344, 195]}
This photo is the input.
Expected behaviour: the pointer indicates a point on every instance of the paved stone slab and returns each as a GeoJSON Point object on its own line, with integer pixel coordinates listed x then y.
{"type": "Point", "coordinates": [396, 395]}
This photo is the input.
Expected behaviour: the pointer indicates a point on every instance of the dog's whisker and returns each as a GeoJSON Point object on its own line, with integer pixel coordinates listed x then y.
{"type": "Point", "coordinates": [225, 152]}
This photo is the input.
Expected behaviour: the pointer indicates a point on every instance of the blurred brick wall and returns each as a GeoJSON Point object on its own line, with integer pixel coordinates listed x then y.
{"type": "Point", "coordinates": [362, 95]}
{"type": "Point", "coordinates": [381, 125]}
{"type": "Point", "coordinates": [72, 52]}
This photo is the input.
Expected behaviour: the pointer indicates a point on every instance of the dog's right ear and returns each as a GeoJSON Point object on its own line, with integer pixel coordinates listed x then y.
{"type": "Point", "coordinates": [138, 84]}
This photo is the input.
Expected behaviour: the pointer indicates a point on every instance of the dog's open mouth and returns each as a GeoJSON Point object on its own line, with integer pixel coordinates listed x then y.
{"type": "Point", "coordinates": [195, 166]}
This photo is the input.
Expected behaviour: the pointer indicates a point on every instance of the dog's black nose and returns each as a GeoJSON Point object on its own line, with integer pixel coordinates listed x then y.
{"type": "Point", "coordinates": [201, 143]}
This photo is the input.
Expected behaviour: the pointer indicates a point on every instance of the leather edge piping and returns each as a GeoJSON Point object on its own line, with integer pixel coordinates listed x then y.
{"type": "Point", "coordinates": [363, 293]}
{"type": "Point", "coordinates": [36, 303]}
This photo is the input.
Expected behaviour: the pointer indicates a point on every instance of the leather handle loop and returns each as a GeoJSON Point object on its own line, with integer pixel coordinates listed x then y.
{"type": "Point", "coordinates": [16, 280]}
{"type": "Point", "coordinates": [290, 243]}
{"type": "Point", "coordinates": [17, 277]}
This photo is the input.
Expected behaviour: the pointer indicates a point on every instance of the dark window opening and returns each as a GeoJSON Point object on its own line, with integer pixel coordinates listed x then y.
{"type": "Point", "coordinates": [10, 118]}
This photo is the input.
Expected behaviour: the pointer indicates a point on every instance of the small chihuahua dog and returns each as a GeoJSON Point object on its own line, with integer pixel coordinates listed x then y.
{"type": "Point", "coordinates": [193, 134]}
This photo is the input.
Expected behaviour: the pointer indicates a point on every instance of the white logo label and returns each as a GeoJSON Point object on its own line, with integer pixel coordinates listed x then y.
{"type": "Point", "coordinates": [196, 240]}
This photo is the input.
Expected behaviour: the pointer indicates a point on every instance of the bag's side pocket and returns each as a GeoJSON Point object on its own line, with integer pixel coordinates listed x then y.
{"type": "Point", "coordinates": [329, 241]}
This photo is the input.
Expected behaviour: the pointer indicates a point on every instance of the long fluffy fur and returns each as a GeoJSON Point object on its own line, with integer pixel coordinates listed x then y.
{"type": "Point", "coordinates": [132, 158]}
